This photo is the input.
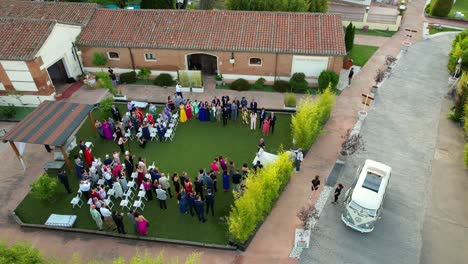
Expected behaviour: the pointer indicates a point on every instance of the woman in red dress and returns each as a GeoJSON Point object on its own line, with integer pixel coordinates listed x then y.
{"type": "Point", "coordinates": [188, 110]}
{"type": "Point", "coordinates": [188, 186]}
{"type": "Point", "coordinates": [88, 157]}
{"type": "Point", "coordinates": [140, 175]}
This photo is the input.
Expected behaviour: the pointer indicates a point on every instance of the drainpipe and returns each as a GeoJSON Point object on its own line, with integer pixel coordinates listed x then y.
{"type": "Point", "coordinates": [276, 66]}
{"type": "Point", "coordinates": [131, 58]}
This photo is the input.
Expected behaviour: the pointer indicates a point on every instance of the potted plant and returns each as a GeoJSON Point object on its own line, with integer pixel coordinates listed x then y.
{"type": "Point", "coordinates": [379, 76]}
{"type": "Point", "coordinates": [353, 143]}
{"type": "Point", "coordinates": [219, 79]}
{"type": "Point", "coordinates": [290, 101]}
{"type": "Point", "coordinates": [347, 63]}
{"type": "Point", "coordinates": [118, 96]}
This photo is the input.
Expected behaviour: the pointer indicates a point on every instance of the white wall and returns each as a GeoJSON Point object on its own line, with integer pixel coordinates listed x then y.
{"type": "Point", "coordinates": [59, 45]}
{"type": "Point", "coordinates": [26, 100]}
{"type": "Point", "coordinates": [311, 66]}
{"type": "Point", "coordinates": [19, 75]}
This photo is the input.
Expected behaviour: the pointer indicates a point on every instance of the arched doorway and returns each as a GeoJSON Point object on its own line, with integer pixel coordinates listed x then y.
{"type": "Point", "coordinates": [206, 63]}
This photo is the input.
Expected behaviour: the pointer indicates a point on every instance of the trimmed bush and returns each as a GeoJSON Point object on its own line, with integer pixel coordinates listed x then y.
{"type": "Point", "coordinates": [240, 85]}
{"type": "Point", "coordinates": [262, 190]}
{"type": "Point", "coordinates": [349, 36]}
{"type": "Point", "coordinates": [104, 81]}
{"type": "Point", "coordinates": [310, 117]}
{"type": "Point", "coordinates": [441, 8]}
{"type": "Point", "coordinates": [99, 59]}
{"type": "Point", "coordinates": [298, 83]}
{"type": "Point", "coordinates": [427, 9]}
{"type": "Point", "coordinates": [290, 100]}
{"type": "Point", "coordinates": [164, 79]}
{"type": "Point", "coordinates": [326, 77]}
{"type": "Point", "coordinates": [281, 86]}
{"type": "Point", "coordinates": [9, 111]}
{"type": "Point", "coordinates": [45, 188]}
{"type": "Point", "coordinates": [258, 85]}
{"type": "Point", "coordinates": [128, 77]}
{"type": "Point", "coordinates": [144, 73]}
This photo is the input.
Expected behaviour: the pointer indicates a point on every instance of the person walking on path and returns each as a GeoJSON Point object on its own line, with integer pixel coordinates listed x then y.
{"type": "Point", "coordinates": [350, 76]}
{"type": "Point", "coordinates": [337, 193]}
{"type": "Point", "coordinates": [209, 199]}
{"type": "Point", "coordinates": [96, 216]}
{"type": "Point", "coordinates": [118, 220]}
{"type": "Point", "coordinates": [315, 186]}
{"type": "Point", "coordinates": [63, 178]}
{"type": "Point", "coordinates": [199, 209]}
{"type": "Point", "coordinates": [299, 158]}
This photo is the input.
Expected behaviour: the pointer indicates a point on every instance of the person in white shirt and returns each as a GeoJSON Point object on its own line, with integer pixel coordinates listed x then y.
{"type": "Point", "coordinates": [178, 89]}
{"type": "Point", "coordinates": [85, 186]}
{"type": "Point", "coordinates": [108, 221]}
{"type": "Point", "coordinates": [299, 158]}
{"type": "Point", "coordinates": [105, 212]}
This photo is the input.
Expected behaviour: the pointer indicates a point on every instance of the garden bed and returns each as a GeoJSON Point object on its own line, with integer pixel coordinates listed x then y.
{"type": "Point", "coordinates": [195, 145]}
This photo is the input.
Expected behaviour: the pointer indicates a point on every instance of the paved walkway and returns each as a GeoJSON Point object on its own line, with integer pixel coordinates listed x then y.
{"type": "Point", "coordinates": [274, 240]}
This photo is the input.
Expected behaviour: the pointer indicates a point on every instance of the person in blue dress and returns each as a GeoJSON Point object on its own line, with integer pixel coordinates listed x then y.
{"type": "Point", "coordinates": [226, 181]}
{"type": "Point", "coordinates": [145, 131]}
{"type": "Point", "coordinates": [79, 166]}
{"type": "Point", "coordinates": [201, 112]}
{"type": "Point", "coordinates": [183, 202]}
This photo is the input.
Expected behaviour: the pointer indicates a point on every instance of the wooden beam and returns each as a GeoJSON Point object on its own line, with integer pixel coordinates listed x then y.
{"type": "Point", "coordinates": [15, 149]}
{"type": "Point", "coordinates": [65, 157]}
{"type": "Point", "coordinates": [91, 119]}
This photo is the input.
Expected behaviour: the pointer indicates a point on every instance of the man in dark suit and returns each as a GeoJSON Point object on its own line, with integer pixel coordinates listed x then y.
{"type": "Point", "coordinates": [262, 117]}
{"type": "Point", "coordinates": [272, 122]}
{"type": "Point", "coordinates": [209, 199]}
{"type": "Point", "coordinates": [199, 209]}
{"type": "Point", "coordinates": [225, 116]}
{"type": "Point", "coordinates": [63, 178]}
{"type": "Point", "coordinates": [116, 113]}
{"type": "Point", "coordinates": [225, 100]}
{"type": "Point", "coordinates": [253, 106]}
{"type": "Point", "coordinates": [128, 165]}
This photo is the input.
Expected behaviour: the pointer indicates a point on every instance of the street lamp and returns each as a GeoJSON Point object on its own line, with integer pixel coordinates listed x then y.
{"type": "Point", "coordinates": [367, 9]}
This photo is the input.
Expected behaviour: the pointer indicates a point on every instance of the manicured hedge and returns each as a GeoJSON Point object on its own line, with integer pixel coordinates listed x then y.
{"type": "Point", "coordinates": [326, 77]}
{"type": "Point", "coordinates": [281, 86]}
{"type": "Point", "coordinates": [310, 117]}
{"type": "Point", "coordinates": [164, 79]}
{"type": "Point", "coordinates": [128, 77]}
{"type": "Point", "coordinates": [298, 83]}
{"type": "Point", "coordinates": [441, 8]}
{"type": "Point", "coordinates": [240, 85]}
{"type": "Point", "coordinates": [262, 190]}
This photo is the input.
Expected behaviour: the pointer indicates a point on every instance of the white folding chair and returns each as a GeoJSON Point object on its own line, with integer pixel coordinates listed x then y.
{"type": "Point", "coordinates": [111, 192]}
{"type": "Point", "coordinates": [101, 182]}
{"type": "Point", "coordinates": [109, 203]}
{"type": "Point", "coordinates": [131, 185]}
{"type": "Point", "coordinates": [142, 195]}
{"type": "Point", "coordinates": [152, 166]}
{"type": "Point", "coordinates": [128, 194]}
{"type": "Point", "coordinates": [128, 134]}
{"type": "Point", "coordinates": [139, 204]}
{"type": "Point", "coordinates": [89, 144]}
{"type": "Point", "coordinates": [115, 136]}
{"type": "Point", "coordinates": [77, 201]}
{"type": "Point", "coordinates": [125, 204]}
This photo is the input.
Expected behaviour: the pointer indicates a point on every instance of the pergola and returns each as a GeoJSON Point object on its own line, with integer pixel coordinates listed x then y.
{"type": "Point", "coordinates": [51, 123]}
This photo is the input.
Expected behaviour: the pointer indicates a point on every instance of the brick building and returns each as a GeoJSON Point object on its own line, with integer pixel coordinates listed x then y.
{"type": "Point", "coordinates": [36, 52]}
{"type": "Point", "coordinates": [238, 44]}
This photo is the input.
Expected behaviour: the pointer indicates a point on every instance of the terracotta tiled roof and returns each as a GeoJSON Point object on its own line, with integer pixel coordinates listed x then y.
{"type": "Point", "coordinates": [66, 13]}
{"type": "Point", "coordinates": [21, 39]}
{"type": "Point", "coordinates": [268, 32]}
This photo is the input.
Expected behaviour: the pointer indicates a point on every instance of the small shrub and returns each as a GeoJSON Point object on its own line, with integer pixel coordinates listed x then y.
{"type": "Point", "coordinates": [164, 79]}
{"type": "Point", "coordinates": [128, 77]}
{"type": "Point", "coordinates": [21, 253]}
{"type": "Point", "coordinates": [326, 77]}
{"type": "Point", "coordinates": [298, 83]}
{"type": "Point", "coordinates": [466, 154]}
{"type": "Point", "coordinates": [106, 105]}
{"type": "Point", "coordinates": [281, 86]}
{"type": "Point", "coordinates": [427, 9]}
{"type": "Point", "coordinates": [258, 85]}
{"type": "Point", "coordinates": [240, 85]}
{"type": "Point", "coordinates": [45, 188]}
{"type": "Point", "coordinates": [9, 111]}
{"type": "Point", "coordinates": [144, 73]}
{"type": "Point", "coordinates": [219, 77]}
{"type": "Point", "coordinates": [99, 59]}
{"type": "Point", "coordinates": [104, 81]}
{"type": "Point", "coordinates": [441, 8]}
{"type": "Point", "coordinates": [290, 100]}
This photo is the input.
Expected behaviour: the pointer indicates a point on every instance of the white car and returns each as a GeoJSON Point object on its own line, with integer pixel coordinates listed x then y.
{"type": "Point", "coordinates": [364, 200]}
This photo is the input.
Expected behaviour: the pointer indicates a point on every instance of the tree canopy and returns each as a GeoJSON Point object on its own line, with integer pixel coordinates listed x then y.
{"type": "Point", "coordinates": [269, 5]}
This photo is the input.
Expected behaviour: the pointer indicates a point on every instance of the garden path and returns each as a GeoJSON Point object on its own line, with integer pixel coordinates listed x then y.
{"type": "Point", "coordinates": [274, 240]}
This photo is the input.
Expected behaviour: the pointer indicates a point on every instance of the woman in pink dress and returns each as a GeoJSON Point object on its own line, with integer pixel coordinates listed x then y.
{"type": "Point", "coordinates": [188, 110]}
{"type": "Point", "coordinates": [142, 224]}
{"type": "Point", "coordinates": [140, 175]}
{"type": "Point", "coordinates": [266, 126]}
{"type": "Point", "coordinates": [107, 130]}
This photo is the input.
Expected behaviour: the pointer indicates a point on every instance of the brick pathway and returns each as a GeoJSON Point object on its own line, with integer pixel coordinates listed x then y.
{"type": "Point", "coordinates": [274, 239]}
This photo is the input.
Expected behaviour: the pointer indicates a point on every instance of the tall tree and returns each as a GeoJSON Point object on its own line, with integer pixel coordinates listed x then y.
{"type": "Point", "coordinates": [268, 5]}
{"type": "Point", "coordinates": [207, 4]}
{"type": "Point", "coordinates": [349, 36]}
{"type": "Point", "coordinates": [318, 6]}
{"type": "Point", "coordinates": [441, 8]}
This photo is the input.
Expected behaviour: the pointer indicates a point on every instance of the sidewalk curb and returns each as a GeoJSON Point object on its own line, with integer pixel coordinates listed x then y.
{"type": "Point", "coordinates": [115, 235]}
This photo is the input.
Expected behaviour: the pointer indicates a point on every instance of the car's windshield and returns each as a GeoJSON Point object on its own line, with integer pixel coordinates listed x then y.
{"type": "Point", "coordinates": [362, 210]}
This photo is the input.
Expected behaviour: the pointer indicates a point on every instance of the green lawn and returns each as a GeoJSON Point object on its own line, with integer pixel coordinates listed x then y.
{"type": "Point", "coordinates": [433, 31]}
{"type": "Point", "coordinates": [376, 32]}
{"type": "Point", "coordinates": [21, 112]}
{"type": "Point", "coordinates": [195, 145]}
{"type": "Point", "coordinates": [361, 54]}
{"type": "Point", "coordinates": [460, 5]}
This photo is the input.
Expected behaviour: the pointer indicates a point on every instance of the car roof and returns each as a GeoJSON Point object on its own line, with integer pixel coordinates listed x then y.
{"type": "Point", "coordinates": [370, 187]}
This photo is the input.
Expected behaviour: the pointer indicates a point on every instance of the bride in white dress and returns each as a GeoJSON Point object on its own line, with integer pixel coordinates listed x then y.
{"type": "Point", "coordinates": [264, 157]}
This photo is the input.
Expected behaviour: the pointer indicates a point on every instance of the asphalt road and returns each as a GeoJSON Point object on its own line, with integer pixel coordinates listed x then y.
{"type": "Point", "coordinates": [400, 131]}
